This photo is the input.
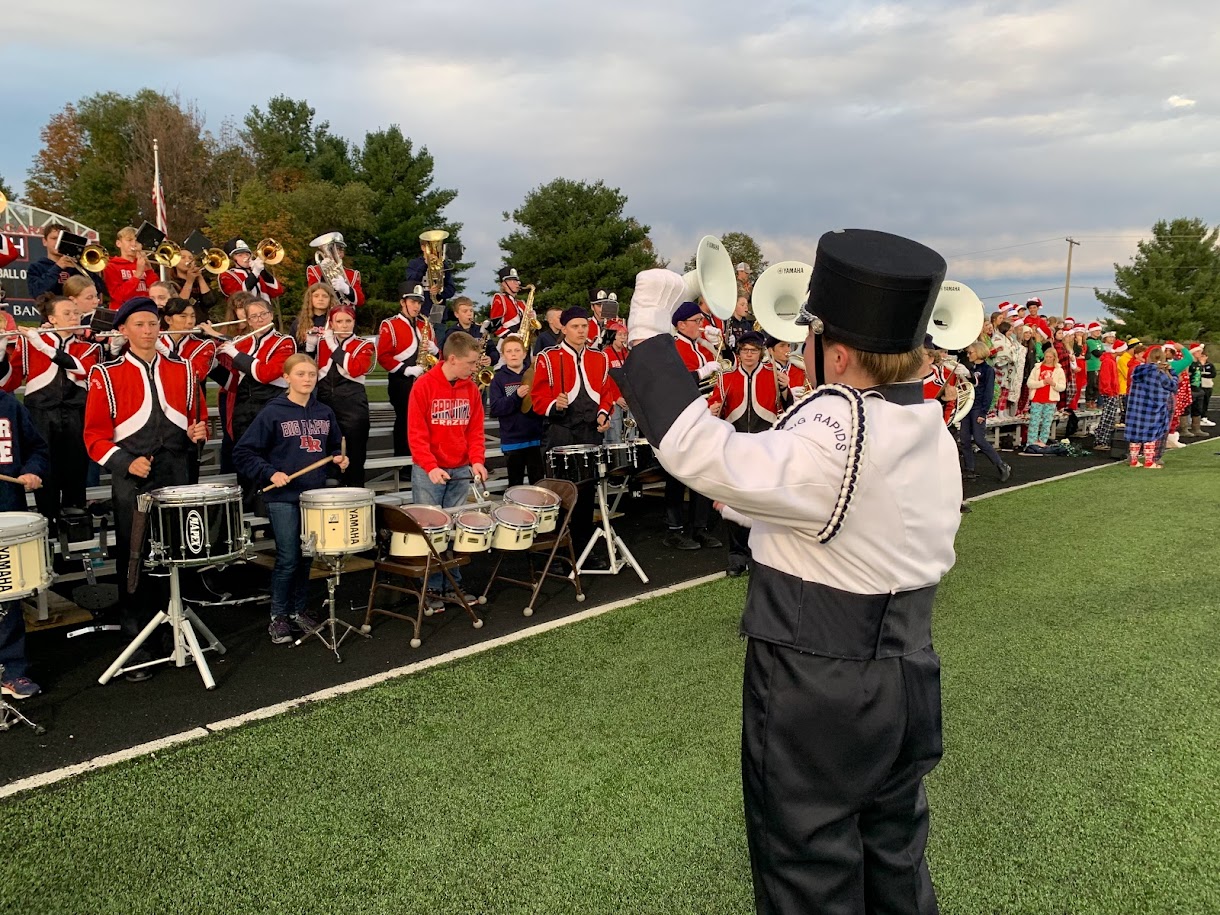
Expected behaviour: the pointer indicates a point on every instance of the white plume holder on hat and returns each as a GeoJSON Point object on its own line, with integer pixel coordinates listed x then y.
{"type": "Point", "coordinates": [713, 278]}
{"type": "Point", "coordinates": [956, 316]}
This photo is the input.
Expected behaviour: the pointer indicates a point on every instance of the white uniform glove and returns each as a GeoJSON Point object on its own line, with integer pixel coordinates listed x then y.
{"type": "Point", "coordinates": [116, 344]}
{"type": "Point", "coordinates": [413, 371]}
{"type": "Point", "coordinates": [961, 371]}
{"type": "Point", "coordinates": [708, 369]}
{"type": "Point", "coordinates": [229, 349]}
{"type": "Point", "coordinates": [329, 336]}
{"type": "Point", "coordinates": [341, 285]}
{"type": "Point", "coordinates": [256, 266]}
{"type": "Point", "coordinates": [657, 293]}
{"type": "Point", "coordinates": [433, 348]}
{"type": "Point", "coordinates": [712, 335]}
{"type": "Point", "coordinates": [36, 341]}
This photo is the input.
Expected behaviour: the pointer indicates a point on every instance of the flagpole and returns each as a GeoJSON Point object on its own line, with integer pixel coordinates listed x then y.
{"type": "Point", "coordinates": [158, 195]}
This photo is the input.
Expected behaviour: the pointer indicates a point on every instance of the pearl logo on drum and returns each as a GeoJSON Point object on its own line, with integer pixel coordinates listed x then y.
{"type": "Point", "coordinates": [194, 532]}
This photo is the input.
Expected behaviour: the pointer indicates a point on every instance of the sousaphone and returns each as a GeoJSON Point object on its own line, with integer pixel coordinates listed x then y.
{"type": "Point", "coordinates": [957, 316]}
{"type": "Point", "coordinates": [713, 278]}
{"type": "Point", "coordinates": [778, 296]}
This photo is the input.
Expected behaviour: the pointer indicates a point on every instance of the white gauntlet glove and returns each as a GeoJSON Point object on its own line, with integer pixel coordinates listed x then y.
{"type": "Point", "coordinates": [657, 293]}
{"type": "Point", "coordinates": [341, 285]}
{"type": "Point", "coordinates": [708, 369]}
{"type": "Point", "coordinates": [256, 266]}
{"type": "Point", "coordinates": [36, 341]}
{"type": "Point", "coordinates": [229, 349]}
{"type": "Point", "coordinates": [712, 335]}
{"type": "Point", "coordinates": [413, 371]}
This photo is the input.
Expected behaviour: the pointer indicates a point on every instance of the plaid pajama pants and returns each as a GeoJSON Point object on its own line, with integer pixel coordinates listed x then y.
{"type": "Point", "coordinates": [1109, 416]}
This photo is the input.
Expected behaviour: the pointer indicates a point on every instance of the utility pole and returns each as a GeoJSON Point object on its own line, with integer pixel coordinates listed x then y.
{"type": "Point", "coordinates": [1067, 283]}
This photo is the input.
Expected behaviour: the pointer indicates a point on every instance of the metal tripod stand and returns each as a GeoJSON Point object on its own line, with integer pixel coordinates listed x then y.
{"type": "Point", "coordinates": [619, 555]}
{"type": "Point", "coordinates": [334, 562]}
{"type": "Point", "coordinates": [9, 715]}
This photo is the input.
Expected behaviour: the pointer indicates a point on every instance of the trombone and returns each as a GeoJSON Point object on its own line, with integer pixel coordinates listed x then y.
{"type": "Point", "coordinates": [269, 251]}
{"type": "Point", "coordinates": [94, 258]}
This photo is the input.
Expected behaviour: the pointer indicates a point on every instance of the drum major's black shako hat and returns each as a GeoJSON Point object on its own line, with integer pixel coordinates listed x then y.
{"type": "Point", "coordinates": [872, 290]}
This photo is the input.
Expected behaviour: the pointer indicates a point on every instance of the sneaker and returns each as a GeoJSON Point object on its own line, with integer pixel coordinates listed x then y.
{"type": "Point", "coordinates": [1206, 422]}
{"type": "Point", "coordinates": [1005, 472]}
{"type": "Point", "coordinates": [279, 630]}
{"type": "Point", "coordinates": [707, 539]}
{"type": "Point", "coordinates": [434, 603]}
{"type": "Point", "coordinates": [736, 571]}
{"type": "Point", "coordinates": [20, 688]}
{"type": "Point", "coordinates": [679, 541]}
{"type": "Point", "coordinates": [305, 621]}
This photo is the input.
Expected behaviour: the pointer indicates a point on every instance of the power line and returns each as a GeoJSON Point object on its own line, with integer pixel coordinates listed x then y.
{"type": "Point", "coordinates": [1010, 295]}
{"type": "Point", "coordinates": [1026, 244]}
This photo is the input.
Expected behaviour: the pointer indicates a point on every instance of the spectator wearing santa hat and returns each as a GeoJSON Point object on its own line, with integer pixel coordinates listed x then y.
{"type": "Point", "coordinates": [1031, 355]}
{"type": "Point", "coordinates": [1178, 362]}
{"type": "Point", "coordinates": [1107, 392]}
{"type": "Point", "coordinates": [1014, 379]}
{"type": "Point", "coordinates": [1079, 338]}
{"type": "Point", "coordinates": [1195, 374]}
{"type": "Point", "coordinates": [1065, 349]}
{"type": "Point", "coordinates": [1126, 365]}
{"type": "Point", "coordinates": [1093, 349]}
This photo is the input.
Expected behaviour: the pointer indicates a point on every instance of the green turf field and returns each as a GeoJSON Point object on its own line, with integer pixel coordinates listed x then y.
{"type": "Point", "coordinates": [594, 769]}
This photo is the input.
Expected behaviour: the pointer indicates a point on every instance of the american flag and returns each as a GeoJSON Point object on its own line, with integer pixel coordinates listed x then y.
{"type": "Point", "coordinates": [158, 199]}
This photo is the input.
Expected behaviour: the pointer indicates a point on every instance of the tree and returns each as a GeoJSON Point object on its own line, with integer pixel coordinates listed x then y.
{"type": "Point", "coordinates": [5, 189]}
{"type": "Point", "coordinates": [1171, 288]}
{"type": "Point", "coordinates": [404, 205]}
{"type": "Point", "coordinates": [741, 247]}
{"type": "Point", "coordinates": [287, 148]}
{"type": "Point", "coordinates": [573, 236]}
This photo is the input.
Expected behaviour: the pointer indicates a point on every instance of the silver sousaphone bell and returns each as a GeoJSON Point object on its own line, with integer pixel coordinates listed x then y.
{"type": "Point", "coordinates": [713, 278]}
{"type": "Point", "coordinates": [778, 296]}
{"type": "Point", "coordinates": [957, 316]}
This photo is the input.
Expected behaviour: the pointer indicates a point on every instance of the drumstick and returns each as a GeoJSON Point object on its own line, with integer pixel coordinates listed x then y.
{"type": "Point", "coordinates": [5, 478]}
{"type": "Point", "coordinates": [292, 476]}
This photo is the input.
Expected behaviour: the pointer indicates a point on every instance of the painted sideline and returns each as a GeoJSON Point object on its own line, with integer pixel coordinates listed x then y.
{"type": "Point", "coordinates": [44, 779]}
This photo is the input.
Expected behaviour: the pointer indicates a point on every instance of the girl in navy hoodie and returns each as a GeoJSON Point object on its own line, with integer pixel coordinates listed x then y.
{"type": "Point", "coordinates": [974, 424]}
{"type": "Point", "coordinates": [291, 432]}
{"type": "Point", "coordinates": [520, 433]}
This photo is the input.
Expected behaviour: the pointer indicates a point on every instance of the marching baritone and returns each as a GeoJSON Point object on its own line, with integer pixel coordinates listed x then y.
{"type": "Point", "coordinates": [247, 273]}
{"type": "Point", "coordinates": [193, 283]}
{"type": "Point", "coordinates": [344, 361]}
{"type": "Point", "coordinates": [417, 275]}
{"type": "Point", "coordinates": [402, 343]}
{"type": "Point", "coordinates": [573, 391]}
{"type": "Point", "coordinates": [329, 269]}
{"type": "Point", "coordinates": [852, 500]}
{"type": "Point", "coordinates": [54, 367]}
{"type": "Point", "coordinates": [128, 275]}
{"type": "Point", "coordinates": [750, 398]}
{"type": "Point", "coordinates": [143, 416]}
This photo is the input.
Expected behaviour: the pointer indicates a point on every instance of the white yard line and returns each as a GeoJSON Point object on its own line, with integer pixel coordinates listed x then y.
{"type": "Point", "coordinates": [43, 779]}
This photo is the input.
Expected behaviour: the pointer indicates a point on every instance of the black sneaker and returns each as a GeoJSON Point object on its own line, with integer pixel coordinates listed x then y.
{"type": "Point", "coordinates": [970, 476]}
{"type": "Point", "coordinates": [1005, 472]}
{"type": "Point", "coordinates": [280, 630]}
{"type": "Point", "coordinates": [735, 571]}
{"type": "Point", "coordinates": [706, 539]}
{"type": "Point", "coordinates": [679, 541]}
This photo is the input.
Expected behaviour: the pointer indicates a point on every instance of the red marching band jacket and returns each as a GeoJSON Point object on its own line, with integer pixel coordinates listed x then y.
{"type": "Point", "coordinates": [737, 389]}
{"type": "Point", "coordinates": [270, 352]}
{"type": "Point", "coordinates": [556, 373]}
{"type": "Point", "coordinates": [35, 369]}
{"type": "Point", "coordinates": [506, 314]}
{"type": "Point", "coordinates": [352, 360]}
{"type": "Point", "coordinates": [694, 353]}
{"type": "Point", "coordinates": [235, 279]}
{"type": "Point", "coordinates": [794, 373]}
{"type": "Point", "coordinates": [399, 342]}
{"type": "Point", "coordinates": [199, 352]}
{"type": "Point", "coordinates": [119, 404]}
{"type": "Point", "coordinates": [313, 274]}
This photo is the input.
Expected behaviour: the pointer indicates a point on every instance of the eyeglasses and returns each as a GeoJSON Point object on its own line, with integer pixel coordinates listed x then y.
{"type": "Point", "coordinates": [257, 314]}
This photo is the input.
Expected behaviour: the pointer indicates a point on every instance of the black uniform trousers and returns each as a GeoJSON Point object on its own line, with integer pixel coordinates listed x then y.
{"type": "Point", "coordinates": [677, 515]}
{"type": "Point", "coordinates": [62, 425]}
{"type": "Point", "coordinates": [575, 426]}
{"type": "Point", "coordinates": [350, 402]}
{"type": "Point", "coordinates": [523, 463]}
{"type": "Point", "coordinates": [398, 388]}
{"type": "Point", "coordinates": [169, 468]}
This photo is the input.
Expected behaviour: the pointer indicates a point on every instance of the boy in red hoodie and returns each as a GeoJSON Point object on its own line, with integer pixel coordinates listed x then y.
{"type": "Point", "coordinates": [445, 428]}
{"type": "Point", "coordinates": [1108, 399]}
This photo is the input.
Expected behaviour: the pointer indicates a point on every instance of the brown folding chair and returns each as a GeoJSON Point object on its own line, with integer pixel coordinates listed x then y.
{"type": "Point", "coordinates": [391, 520]}
{"type": "Point", "coordinates": [560, 538]}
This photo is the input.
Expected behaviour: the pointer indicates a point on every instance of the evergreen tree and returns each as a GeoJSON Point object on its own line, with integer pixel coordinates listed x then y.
{"type": "Point", "coordinates": [572, 237]}
{"type": "Point", "coordinates": [1171, 288]}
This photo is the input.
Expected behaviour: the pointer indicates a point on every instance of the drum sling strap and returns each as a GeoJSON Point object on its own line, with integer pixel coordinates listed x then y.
{"type": "Point", "coordinates": [139, 527]}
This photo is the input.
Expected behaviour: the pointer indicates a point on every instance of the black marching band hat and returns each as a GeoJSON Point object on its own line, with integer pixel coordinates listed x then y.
{"type": "Point", "coordinates": [132, 306]}
{"type": "Point", "coordinates": [407, 290]}
{"type": "Point", "coordinates": [508, 273]}
{"type": "Point", "coordinates": [149, 236]}
{"type": "Point", "coordinates": [872, 290]}
{"type": "Point", "coordinates": [71, 244]}
{"type": "Point", "coordinates": [685, 312]}
{"type": "Point", "coordinates": [234, 245]}
{"type": "Point", "coordinates": [575, 313]}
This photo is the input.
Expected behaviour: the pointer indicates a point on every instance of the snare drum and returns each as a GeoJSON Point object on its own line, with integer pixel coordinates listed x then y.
{"type": "Point", "coordinates": [644, 456]}
{"type": "Point", "coordinates": [25, 555]}
{"type": "Point", "coordinates": [573, 462]}
{"type": "Point", "coordinates": [542, 502]}
{"type": "Point", "coordinates": [515, 528]}
{"type": "Point", "coordinates": [436, 525]}
{"type": "Point", "coordinates": [196, 525]}
{"type": "Point", "coordinates": [335, 521]}
{"type": "Point", "coordinates": [620, 457]}
{"type": "Point", "coordinates": [472, 532]}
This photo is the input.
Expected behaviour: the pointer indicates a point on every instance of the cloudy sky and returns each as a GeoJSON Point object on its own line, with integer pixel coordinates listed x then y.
{"type": "Point", "coordinates": [989, 130]}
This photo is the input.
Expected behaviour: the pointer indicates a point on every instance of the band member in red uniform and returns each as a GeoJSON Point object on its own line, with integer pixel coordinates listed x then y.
{"type": "Point", "coordinates": [258, 362]}
{"type": "Point", "coordinates": [143, 417]}
{"type": "Point", "coordinates": [54, 367]}
{"type": "Point", "coordinates": [248, 274]}
{"type": "Point", "coordinates": [572, 389]}
{"type": "Point", "coordinates": [128, 274]}
{"type": "Point", "coordinates": [507, 311]}
{"type": "Point", "coordinates": [344, 280]}
{"type": "Point", "coordinates": [343, 362]}
{"type": "Point", "coordinates": [401, 340]}
{"type": "Point", "coordinates": [700, 359]}
{"type": "Point", "coordinates": [178, 317]}
{"type": "Point", "coordinates": [749, 398]}
{"type": "Point", "coordinates": [598, 300]}
{"type": "Point", "coordinates": [225, 375]}
{"type": "Point", "coordinates": [791, 377]}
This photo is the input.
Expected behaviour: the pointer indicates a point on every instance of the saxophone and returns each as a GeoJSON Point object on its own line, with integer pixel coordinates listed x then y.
{"type": "Point", "coordinates": [531, 326]}
{"type": "Point", "coordinates": [426, 357]}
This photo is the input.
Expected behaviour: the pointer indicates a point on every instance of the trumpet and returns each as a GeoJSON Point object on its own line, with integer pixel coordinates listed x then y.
{"type": "Point", "coordinates": [94, 258]}
{"type": "Point", "coordinates": [214, 260]}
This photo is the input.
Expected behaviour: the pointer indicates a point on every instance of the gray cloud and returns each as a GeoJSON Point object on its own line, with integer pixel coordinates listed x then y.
{"type": "Point", "coordinates": [973, 127]}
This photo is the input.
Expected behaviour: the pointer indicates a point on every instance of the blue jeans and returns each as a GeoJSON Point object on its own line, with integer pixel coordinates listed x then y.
{"type": "Point", "coordinates": [449, 494]}
{"type": "Point", "coordinates": [1041, 415]}
{"type": "Point", "coordinates": [12, 640]}
{"type": "Point", "coordinates": [290, 577]}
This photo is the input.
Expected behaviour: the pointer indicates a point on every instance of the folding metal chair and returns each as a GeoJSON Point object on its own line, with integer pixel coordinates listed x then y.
{"type": "Point", "coordinates": [391, 520]}
{"type": "Point", "coordinates": [550, 544]}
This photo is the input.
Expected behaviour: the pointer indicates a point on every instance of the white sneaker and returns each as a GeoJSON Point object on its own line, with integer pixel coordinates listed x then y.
{"type": "Point", "coordinates": [1173, 442]}
{"type": "Point", "coordinates": [1206, 422]}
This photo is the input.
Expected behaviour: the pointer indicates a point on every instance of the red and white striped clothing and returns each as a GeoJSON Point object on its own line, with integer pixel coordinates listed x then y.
{"type": "Point", "coordinates": [694, 353]}
{"type": "Point", "coordinates": [757, 391]}
{"type": "Point", "coordinates": [313, 274]}
{"type": "Point", "coordinates": [560, 370]}
{"type": "Point", "coordinates": [399, 342]}
{"type": "Point", "coordinates": [269, 353]}
{"type": "Point", "coordinates": [198, 351]}
{"type": "Point", "coordinates": [239, 279]}
{"type": "Point", "coordinates": [506, 313]}
{"type": "Point", "coordinates": [35, 369]}
{"type": "Point", "coordinates": [352, 359]}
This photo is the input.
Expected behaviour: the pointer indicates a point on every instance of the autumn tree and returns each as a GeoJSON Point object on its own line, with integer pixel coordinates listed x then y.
{"type": "Point", "coordinates": [1171, 288]}
{"type": "Point", "coordinates": [572, 236]}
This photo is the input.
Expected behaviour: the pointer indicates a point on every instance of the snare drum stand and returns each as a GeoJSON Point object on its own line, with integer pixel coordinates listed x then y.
{"type": "Point", "coordinates": [619, 555]}
{"type": "Point", "coordinates": [334, 562]}
{"type": "Point", "coordinates": [9, 716]}
{"type": "Point", "coordinates": [183, 621]}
